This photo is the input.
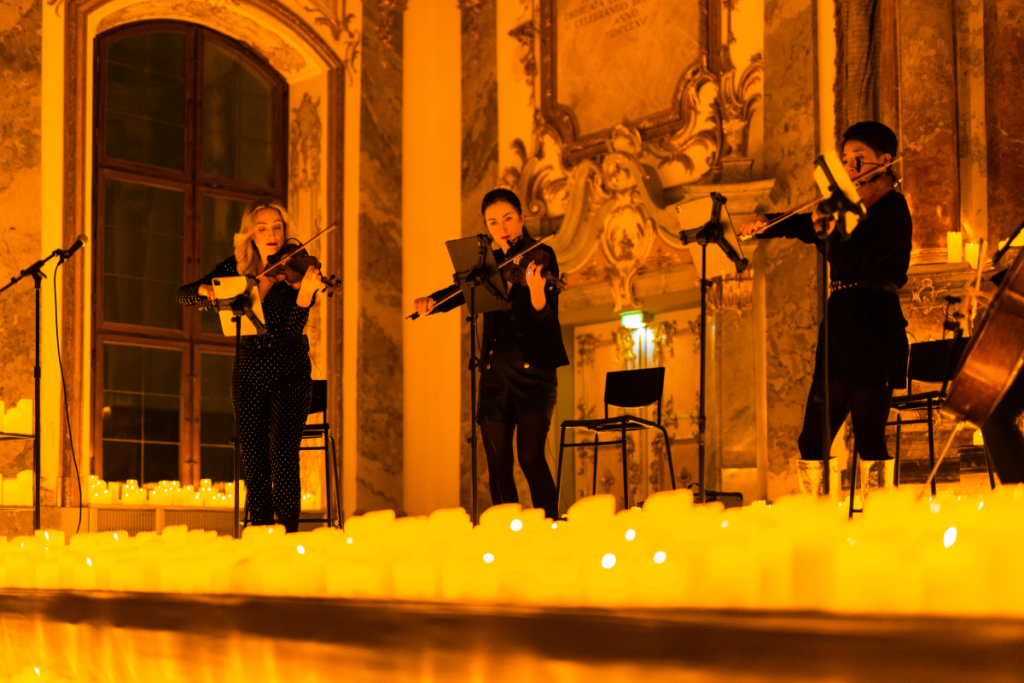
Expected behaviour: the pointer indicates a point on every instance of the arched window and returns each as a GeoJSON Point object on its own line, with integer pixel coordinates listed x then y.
{"type": "Point", "coordinates": [189, 127]}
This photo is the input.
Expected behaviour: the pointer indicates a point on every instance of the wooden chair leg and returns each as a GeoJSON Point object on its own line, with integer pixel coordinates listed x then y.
{"type": "Point", "coordinates": [595, 464]}
{"type": "Point", "coordinates": [853, 478]}
{"type": "Point", "coordinates": [931, 446]}
{"type": "Point", "coordinates": [558, 477]}
{"type": "Point", "coordinates": [625, 471]}
{"type": "Point", "coordinates": [988, 464]}
{"type": "Point", "coordinates": [668, 452]}
{"type": "Point", "coordinates": [899, 429]}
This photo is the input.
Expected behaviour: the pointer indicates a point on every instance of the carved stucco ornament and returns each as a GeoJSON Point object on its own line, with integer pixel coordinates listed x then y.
{"type": "Point", "coordinates": [218, 15]}
{"type": "Point", "coordinates": [342, 25]}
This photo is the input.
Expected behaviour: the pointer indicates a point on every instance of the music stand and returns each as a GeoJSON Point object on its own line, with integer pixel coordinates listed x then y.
{"type": "Point", "coordinates": [476, 269]}
{"type": "Point", "coordinates": [711, 232]}
{"type": "Point", "coordinates": [238, 301]}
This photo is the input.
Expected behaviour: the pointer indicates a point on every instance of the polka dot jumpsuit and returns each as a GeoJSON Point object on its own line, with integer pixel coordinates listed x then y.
{"type": "Point", "coordinates": [271, 400]}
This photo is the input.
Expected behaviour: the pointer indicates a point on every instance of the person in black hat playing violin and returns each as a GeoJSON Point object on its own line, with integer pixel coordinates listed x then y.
{"type": "Point", "coordinates": [868, 347]}
{"type": "Point", "coordinates": [522, 347]}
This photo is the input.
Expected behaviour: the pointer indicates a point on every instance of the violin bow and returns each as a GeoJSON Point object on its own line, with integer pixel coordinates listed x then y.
{"type": "Point", "coordinates": [301, 246]}
{"type": "Point", "coordinates": [536, 244]}
{"type": "Point", "coordinates": [862, 178]}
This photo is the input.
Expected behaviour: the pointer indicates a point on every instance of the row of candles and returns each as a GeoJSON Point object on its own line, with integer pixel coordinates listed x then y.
{"type": "Point", "coordinates": [173, 494]}
{"type": "Point", "coordinates": [951, 554]}
{"type": "Point", "coordinates": [164, 493]}
{"type": "Point", "coordinates": [957, 250]}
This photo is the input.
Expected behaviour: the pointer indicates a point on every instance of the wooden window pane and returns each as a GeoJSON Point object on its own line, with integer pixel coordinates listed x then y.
{"type": "Point", "coordinates": [145, 100]}
{"type": "Point", "coordinates": [238, 135]}
{"type": "Point", "coordinates": [143, 242]}
{"type": "Point", "coordinates": [221, 219]}
{"type": "Point", "coordinates": [141, 412]}
{"type": "Point", "coordinates": [217, 421]}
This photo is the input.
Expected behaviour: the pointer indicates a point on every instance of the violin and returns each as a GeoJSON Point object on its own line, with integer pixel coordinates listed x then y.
{"type": "Point", "coordinates": [292, 261]}
{"type": "Point", "coordinates": [519, 257]}
{"type": "Point", "coordinates": [869, 196]}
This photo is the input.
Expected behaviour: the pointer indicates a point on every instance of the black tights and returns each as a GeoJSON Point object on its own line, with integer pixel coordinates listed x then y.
{"type": "Point", "coordinates": [530, 431]}
{"type": "Point", "coordinates": [869, 407]}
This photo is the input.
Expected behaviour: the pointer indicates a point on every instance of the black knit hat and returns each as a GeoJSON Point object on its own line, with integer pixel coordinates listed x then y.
{"type": "Point", "coordinates": [875, 135]}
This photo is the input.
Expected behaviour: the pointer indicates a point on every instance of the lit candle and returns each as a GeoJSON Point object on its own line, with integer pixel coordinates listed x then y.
{"type": "Point", "coordinates": [971, 253]}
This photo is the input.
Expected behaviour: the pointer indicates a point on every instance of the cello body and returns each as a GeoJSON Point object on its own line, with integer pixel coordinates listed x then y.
{"type": "Point", "coordinates": [994, 354]}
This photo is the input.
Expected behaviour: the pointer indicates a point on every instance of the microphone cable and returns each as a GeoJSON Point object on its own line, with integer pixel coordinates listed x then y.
{"type": "Point", "coordinates": [64, 387]}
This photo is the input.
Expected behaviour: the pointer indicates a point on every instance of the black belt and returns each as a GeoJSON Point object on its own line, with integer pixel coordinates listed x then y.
{"type": "Point", "coordinates": [268, 342]}
{"type": "Point", "coordinates": [837, 285]}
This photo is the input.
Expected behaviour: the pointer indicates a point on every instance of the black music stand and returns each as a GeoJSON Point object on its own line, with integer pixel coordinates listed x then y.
{"type": "Point", "coordinates": [248, 306]}
{"type": "Point", "coordinates": [476, 269]}
{"type": "Point", "coordinates": [709, 233]}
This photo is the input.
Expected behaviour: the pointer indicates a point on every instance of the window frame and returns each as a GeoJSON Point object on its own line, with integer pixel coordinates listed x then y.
{"type": "Point", "coordinates": [194, 185]}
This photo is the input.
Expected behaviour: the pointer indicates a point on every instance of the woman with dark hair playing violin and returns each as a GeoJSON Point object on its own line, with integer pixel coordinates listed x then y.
{"type": "Point", "coordinates": [521, 349]}
{"type": "Point", "coordinates": [273, 388]}
{"type": "Point", "coordinates": [867, 341]}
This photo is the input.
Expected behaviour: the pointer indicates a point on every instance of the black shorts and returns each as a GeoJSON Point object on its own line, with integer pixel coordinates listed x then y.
{"type": "Point", "coordinates": [510, 387]}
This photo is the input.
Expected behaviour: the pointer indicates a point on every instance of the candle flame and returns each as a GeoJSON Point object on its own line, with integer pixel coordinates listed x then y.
{"type": "Point", "coordinates": [659, 557]}
{"type": "Point", "coordinates": [488, 558]}
{"type": "Point", "coordinates": [608, 561]}
{"type": "Point", "coordinates": [949, 538]}
{"type": "Point", "coordinates": [630, 534]}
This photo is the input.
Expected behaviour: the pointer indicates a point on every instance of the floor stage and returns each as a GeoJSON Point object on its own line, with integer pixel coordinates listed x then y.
{"type": "Point", "coordinates": [101, 636]}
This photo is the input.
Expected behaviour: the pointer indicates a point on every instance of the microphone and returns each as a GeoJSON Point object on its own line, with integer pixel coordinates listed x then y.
{"type": "Point", "coordinates": [79, 241]}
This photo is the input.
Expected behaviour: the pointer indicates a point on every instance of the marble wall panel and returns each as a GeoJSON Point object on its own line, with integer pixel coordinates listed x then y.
{"type": "Point", "coordinates": [479, 176]}
{"type": "Point", "coordinates": [379, 337]}
{"type": "Point", "coordinates": [1004, 92]}
{"type": "Point", "coordinates": [791, 272]}
{"type": "Point", "coordinates": [792, 312]}
{"type": "Point", "coordinates": [20, 207]}
{"type": "Point", "coordinates": [928, 98]}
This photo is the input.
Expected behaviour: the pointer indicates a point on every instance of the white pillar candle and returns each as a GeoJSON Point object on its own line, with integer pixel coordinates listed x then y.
{"type": "Point", "coordinates": [954, 247]}
{"type": "Point", "coordinates": [971, 254]}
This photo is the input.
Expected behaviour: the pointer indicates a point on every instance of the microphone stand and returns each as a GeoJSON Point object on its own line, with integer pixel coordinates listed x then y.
{"type": "Point", "coordinates": [36, 272]}
{"type": "Point", "coordinates": [710, 233]}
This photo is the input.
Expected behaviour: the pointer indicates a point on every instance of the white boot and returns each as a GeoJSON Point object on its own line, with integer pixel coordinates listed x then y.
{"type": "Point", "coordinates": [875, 475]}
{"type": "Point", "coordinates": [810, 474]}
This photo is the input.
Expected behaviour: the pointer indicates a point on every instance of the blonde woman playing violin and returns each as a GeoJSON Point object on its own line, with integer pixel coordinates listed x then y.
{"type": "Point", "coordinates": [273, 389]}
{"type": "Point", "coordinates": [867, 343]}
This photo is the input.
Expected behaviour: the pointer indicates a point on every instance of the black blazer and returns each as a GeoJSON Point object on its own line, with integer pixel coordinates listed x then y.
{"type": "Point", "coordinates": [538, 333]}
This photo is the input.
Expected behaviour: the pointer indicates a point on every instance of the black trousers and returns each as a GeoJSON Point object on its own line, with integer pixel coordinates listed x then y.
{"type": "Point", "coordinates": [271, 404]}
{"type": "Point", "coordinates": [869, 407]}
{"type": "Point", "coordinates": [1003, 436]}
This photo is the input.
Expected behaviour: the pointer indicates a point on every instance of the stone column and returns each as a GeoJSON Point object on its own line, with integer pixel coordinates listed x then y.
{"type": "Point", "coordinates": [379, 337]}
{"type": "Point", "coordinates": [928, 98]}
{"type": "Point", "coordinates": [479, 176]}
{"type": "Point", "coordinates": [791, 268]}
